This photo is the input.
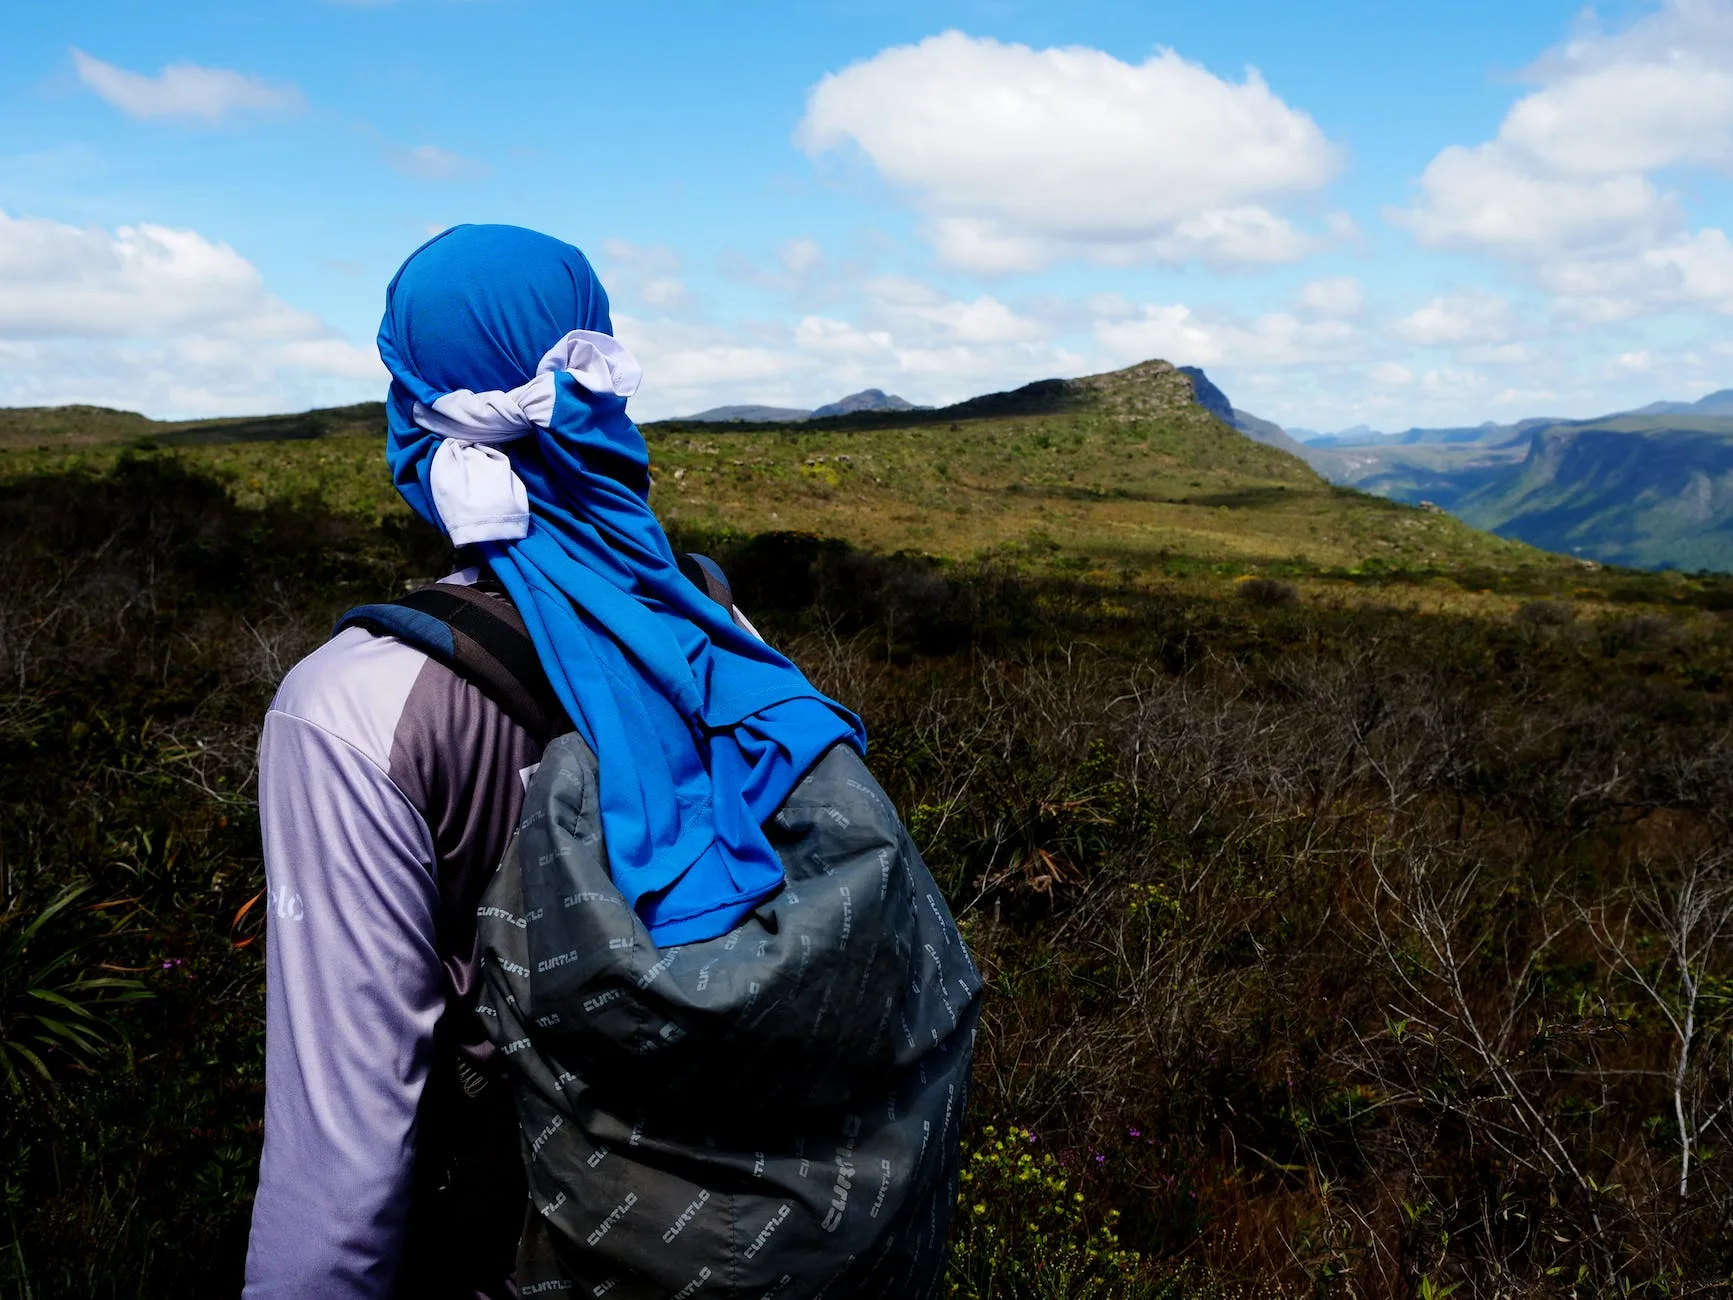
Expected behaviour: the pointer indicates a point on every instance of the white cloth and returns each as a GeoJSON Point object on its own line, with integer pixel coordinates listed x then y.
{"type": "Point", "coordinates": [477, 494]}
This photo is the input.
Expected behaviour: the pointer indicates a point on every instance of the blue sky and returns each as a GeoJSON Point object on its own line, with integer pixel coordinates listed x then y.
{"type": "Point", "coordinates": [1347, 212]}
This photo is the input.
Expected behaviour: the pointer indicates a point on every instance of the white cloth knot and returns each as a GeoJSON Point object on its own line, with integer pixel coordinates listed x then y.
{"type": "Point", "coordinates": [478, 495]}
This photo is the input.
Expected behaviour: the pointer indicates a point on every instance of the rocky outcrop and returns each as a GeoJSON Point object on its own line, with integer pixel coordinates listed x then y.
{"type": "Point", "coordinates": [1207, 395]}
{"type": "Point", "coordinates": [868, 399]}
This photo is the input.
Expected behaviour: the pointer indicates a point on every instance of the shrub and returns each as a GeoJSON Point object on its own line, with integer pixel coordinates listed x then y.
{"type": "Point", "coordinates": [57, 1006]}
{"type": "Point", "coordinates": [1024, 1227]}
{"type": "Point", "coordinates": [1267, 593]}
{"type": "Point", "coordinates": [1379, 930]}
{"type": "Point", "coordinates": [1546, 613]}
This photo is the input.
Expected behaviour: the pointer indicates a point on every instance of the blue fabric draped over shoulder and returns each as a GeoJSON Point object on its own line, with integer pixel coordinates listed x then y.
{"type": "Point", "coordinates": [700, 729]}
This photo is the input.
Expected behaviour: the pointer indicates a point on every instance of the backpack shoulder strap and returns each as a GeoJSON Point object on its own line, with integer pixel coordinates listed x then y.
{"type": "Point", "coordinates": [706, 575]}
{"type": "Point", "coordinates": [480, 637]}
{"type": "Point", "coordinates": [477, 633]}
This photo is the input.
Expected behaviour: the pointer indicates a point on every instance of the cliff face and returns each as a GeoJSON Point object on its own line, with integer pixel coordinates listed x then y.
{"type": "Point", "coordinates": [1646, 497]}
{"type": "Point", "coordinates": [1207, 395]}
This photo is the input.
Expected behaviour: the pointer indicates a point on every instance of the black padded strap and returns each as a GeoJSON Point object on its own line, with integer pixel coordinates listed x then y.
{"type": "Point", "coordinates": [484, 642]}
{"type": "Point", "coordinates": [706, 575]}
{"type": "Point", "coordinates": [478, 633]}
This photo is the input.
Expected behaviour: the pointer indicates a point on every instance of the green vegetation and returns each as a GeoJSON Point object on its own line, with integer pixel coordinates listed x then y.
{"type": "Point", "coordinates": [1114, 474]}
{"type": "Point", "coordinates": [1646, 490]}
{"type": "Point", "coordinates": [1340, 921]}
{"type": "Point", "coordinates": [54, 429]}
{"type": "Point", "coordinates": [1620, 492]}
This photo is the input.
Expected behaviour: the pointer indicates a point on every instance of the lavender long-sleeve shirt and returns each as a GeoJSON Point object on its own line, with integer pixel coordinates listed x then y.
{"type": "Point", "coordinates": [388, 789]}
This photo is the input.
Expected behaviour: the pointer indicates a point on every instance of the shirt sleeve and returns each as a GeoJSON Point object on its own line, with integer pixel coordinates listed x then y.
{"type": "Point", "coordinates": [353, 990]}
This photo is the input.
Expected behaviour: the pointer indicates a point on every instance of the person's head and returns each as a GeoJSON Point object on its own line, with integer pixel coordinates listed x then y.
{"type": "Point", "coordinates": [506, 381]}
{"type": "Point", "coordinates": [477, 307]}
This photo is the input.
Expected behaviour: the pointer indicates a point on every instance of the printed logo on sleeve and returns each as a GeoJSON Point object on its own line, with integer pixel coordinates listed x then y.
{"type": "Point", "coordinates": [285, 903]}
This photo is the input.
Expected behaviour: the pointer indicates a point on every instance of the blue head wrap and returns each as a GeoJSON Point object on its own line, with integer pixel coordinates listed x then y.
{"type": "Point", "coordinates": [700, 729]}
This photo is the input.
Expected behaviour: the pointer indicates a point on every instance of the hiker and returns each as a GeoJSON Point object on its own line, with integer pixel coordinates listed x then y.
{"type": "Point", "coordinates": [596, 962]}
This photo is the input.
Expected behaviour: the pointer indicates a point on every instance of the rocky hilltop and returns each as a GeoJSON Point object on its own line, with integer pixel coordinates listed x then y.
{"type": "Point", "coordinates": [868, 399]}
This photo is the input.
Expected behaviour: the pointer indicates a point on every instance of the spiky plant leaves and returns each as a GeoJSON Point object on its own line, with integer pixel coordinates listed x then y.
{"type": "Point", "coordinates": [56, 1009]}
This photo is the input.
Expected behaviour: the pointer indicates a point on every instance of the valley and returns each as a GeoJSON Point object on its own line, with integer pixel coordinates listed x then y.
{"type": "Point", "coordinates": [1651, 488]}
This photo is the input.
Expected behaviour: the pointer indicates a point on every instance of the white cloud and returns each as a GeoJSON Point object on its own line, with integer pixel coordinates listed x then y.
{"type": "Point", "coordinates": [1307, 367]}
{"type": "Point", "coordinates": [1492, 198]}
{"type": "Point", "coordinates": [1497, 354]}
{"type": "Point", "coordinates": [1024, 156]}
{"type": "Point", "coordinates": [1109, 306]}
{"type": "Point", "coordinates": [798, 267]}
{"type": "Point", "coordinates": [644, 275]}
{"type": "Point", "coordinates": [1176, 333]}
{"type": "Point", "coordinates": [801, 256]}
{"type": "Point", "coordinates": [161, 320]}
{"type": "Point", "coordinates": [830, 337]}
{"type": "Point", "coordinates": [185, 91]}
{"type": "Point", "coordinates": [1686, 270]}
{"type": "Point", "coordinates": [1447, 382]}
{"type": "Point", "coordinates": [1338, 297]}
{"type": "Point", "coordinates": [1225, 237]}
{"type": "Point", "coordinates": [981, 244]}
{"type": "Point", "coordinates": [1571, 187]}
{"type": "Point", "coordinates": [1456, 318]}
{"type": "Point", "coordinates": [681, 358]}
{"type": "Point", "coordinates": [911, 305]}
{"type": "Point", "coordinates": [898, 333]}
{"type": "Point", "coordinates": [428, 162]}
{"type": "Point", "coordinates": [1615, 109]}
{"type": "Point", "coordinates": [1342, 227]}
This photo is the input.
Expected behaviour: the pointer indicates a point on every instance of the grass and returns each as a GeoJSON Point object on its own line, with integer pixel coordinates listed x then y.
{"type": "Point", "coordinates": [1150, 499]}
{"type": "Point", "coordinates": [1339, 921]}
{"type": "Point", "coordinates": [54, 429]}
{"type": "Point", "coordinates": [1113, 474]}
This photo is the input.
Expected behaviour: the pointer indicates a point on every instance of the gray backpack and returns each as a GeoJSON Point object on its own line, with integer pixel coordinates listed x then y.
{"type": "Point", "coordinates": [773, 1113]}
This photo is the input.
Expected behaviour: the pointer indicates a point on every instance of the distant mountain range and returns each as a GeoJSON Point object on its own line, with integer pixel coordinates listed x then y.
{"type": "Point", "coordinates": [868, 399]}
{"type": "Point", "coordinates": [1719, 402]}
{"type": "Point", "coordinates": [1650, 488]}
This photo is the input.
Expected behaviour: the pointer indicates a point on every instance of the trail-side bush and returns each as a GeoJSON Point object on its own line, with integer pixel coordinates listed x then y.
{"type": "Point", "coordinates": [1024, 1227]}
{"type": "Point", "coordinates": [57, 1007]}
{"type": "Point", "coordinates": [1324, 907]}
{"type": "Point", "coordinates": [1268, 593]}
{"type": "Point", "coordinates": [1330, 951]}
{"type": "Point", "coordinates": [144, 623]}
{"type": "Point", "coordinates": [1029, 1224]}
{"type": "Point", "coordinates": [1546, 613]}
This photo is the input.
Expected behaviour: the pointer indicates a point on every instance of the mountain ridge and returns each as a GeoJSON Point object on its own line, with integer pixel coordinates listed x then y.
{"type": "Point", "coordinates": [1121, 473]}
{"type": "Point", "coordinates": [1648, 488]}
{"type": "Point", "coordinates": [867, 399]}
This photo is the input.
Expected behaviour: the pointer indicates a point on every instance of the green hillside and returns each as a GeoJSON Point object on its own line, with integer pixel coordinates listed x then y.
{"type": "Point", "coordinates": [1647, 490]}
{"type": "Point", "coordinates": [1117, 472]}
{"type": "Point", "coordinates": [1630, 491]}
{"type": "Point", "coordinates": [50, 429]}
